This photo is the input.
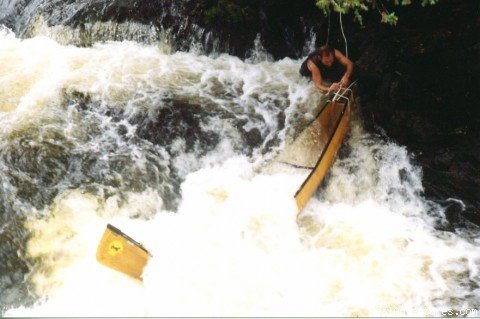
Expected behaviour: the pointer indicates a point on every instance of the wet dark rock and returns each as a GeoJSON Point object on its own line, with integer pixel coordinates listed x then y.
{"type": "Point", "coordinates": [452, 170]}
{"type": "Point", "coordinates": [253, 137]}
{"type": "Point", "coordinates": [226, 25]}
{"type": "Point", "coordinates": [179, 120]}
{"type": "Point", "coordinates": [17, 14]}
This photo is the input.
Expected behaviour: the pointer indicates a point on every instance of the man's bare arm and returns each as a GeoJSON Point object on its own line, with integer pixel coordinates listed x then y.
{"type": "Point", "coordinates": [348, 64]}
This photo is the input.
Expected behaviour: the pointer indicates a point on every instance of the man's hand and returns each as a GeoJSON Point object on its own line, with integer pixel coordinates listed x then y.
{"type": "Point", "coordinates": [334, 87]}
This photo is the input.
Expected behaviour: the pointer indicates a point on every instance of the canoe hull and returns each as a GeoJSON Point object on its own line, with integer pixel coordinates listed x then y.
{"type": "Point", "coordinates": [118, 251]}
{"type": "Point", "coordinates": [333, 122]}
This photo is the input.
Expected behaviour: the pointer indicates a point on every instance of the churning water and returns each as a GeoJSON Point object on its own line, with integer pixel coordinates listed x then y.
{"type": "Point", "coordinates": [169, 146]}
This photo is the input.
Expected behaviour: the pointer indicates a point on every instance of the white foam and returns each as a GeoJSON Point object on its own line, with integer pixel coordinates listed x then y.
{"type": "Point", "coordinates": [234, 249]}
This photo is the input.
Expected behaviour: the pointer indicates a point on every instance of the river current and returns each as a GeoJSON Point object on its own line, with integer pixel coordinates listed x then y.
{"type": "Point", "coordinates": [169, 147]}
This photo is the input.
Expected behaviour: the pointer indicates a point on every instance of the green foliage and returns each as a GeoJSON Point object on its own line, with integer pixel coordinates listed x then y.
{"type": "Point", "coordinates": [389, 18]}
{"type": "Point", "coordinates": [357, 6]}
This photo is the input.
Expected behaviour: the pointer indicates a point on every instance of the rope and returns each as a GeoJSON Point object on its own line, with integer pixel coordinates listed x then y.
{"type": "Point", "coordinates": [344, 37]}
{"type": "Point", "coordinates": [338, 97]}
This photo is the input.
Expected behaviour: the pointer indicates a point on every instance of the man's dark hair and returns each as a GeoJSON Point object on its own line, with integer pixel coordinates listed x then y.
{"type": "Point", "coordinates": [326, 50]}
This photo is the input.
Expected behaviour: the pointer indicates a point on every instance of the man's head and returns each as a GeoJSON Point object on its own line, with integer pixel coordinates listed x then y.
{"type": "Point", "coordinates": [326, 55]}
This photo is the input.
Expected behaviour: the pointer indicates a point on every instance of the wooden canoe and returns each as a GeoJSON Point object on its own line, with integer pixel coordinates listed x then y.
{"type": "Point", "coordinates": [316, 147]}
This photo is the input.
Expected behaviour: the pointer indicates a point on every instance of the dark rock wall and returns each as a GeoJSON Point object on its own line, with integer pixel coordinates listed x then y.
{"type": "Point", "coordinates": [424, 92]}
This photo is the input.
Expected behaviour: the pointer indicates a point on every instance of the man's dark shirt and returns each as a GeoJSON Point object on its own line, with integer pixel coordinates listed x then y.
{"type": "Point", "coordinates": [330, 74]}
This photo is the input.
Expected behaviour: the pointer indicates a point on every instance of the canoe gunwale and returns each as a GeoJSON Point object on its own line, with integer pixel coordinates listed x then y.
{"type": "Point", "coordinates": [128, 238]}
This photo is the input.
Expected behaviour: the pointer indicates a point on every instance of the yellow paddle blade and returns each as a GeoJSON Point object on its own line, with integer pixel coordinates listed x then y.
{"type": "Point", "coordinates": [120, 252]}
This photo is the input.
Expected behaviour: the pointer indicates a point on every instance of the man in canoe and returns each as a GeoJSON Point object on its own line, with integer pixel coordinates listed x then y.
{"type": "Point", "coordinates": [328, 68]}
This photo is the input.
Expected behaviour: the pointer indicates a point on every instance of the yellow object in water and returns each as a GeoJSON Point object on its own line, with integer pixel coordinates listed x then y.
{"type": "Point", "coordinates": [120, 252]}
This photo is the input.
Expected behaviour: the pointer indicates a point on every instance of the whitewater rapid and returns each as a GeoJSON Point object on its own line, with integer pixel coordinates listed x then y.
{"type": "Point", "coordinates": [168, 147]}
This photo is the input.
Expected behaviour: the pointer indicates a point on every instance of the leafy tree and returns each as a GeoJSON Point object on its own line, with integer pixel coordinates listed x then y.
{"type": "Point", "coordinates": [357, 6]}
